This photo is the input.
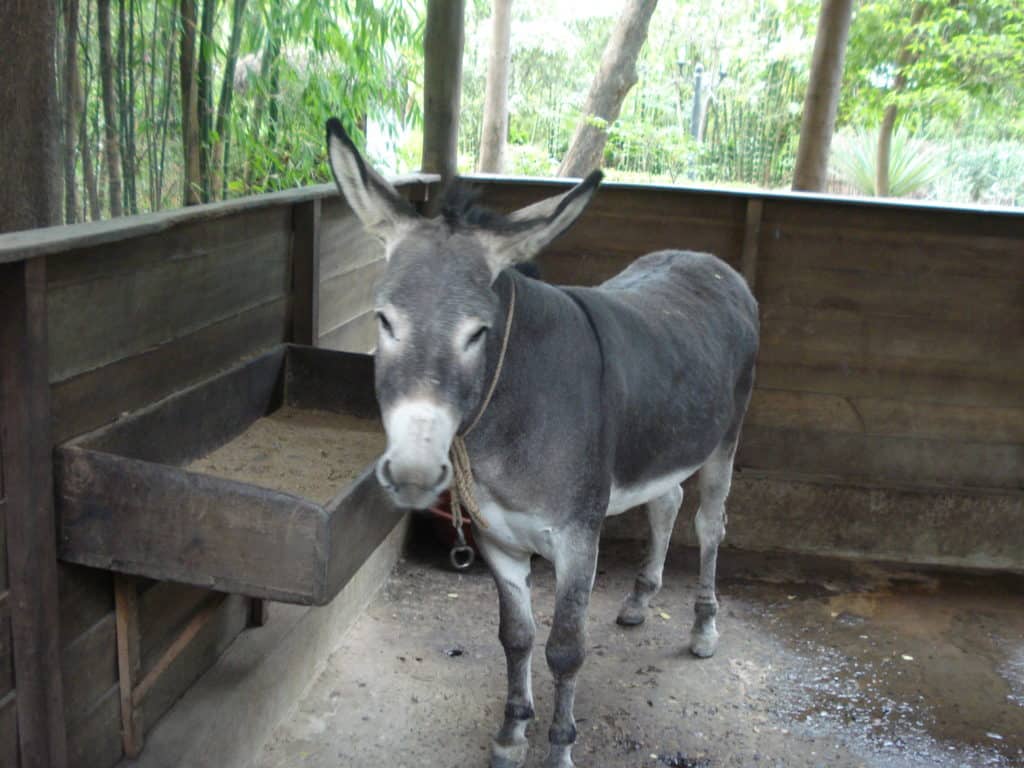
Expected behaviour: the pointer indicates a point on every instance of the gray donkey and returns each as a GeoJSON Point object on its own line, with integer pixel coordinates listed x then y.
{"type": "Point", "coordinates": [604, 399]}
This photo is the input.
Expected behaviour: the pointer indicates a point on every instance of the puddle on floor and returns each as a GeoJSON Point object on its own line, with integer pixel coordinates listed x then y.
{"type": "Point", "coordinates": [913, 669]}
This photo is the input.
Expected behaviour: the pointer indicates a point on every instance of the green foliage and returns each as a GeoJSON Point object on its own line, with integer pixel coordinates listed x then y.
{"type": "Point", "coordinates": [987, 173]}
{"type": "Point", "coordinates": [965, 71]}
{"type": "Point", "coordinates": [360, 60]}
{"type": "Point", "coordinates": [914, 165]}
{"type": "Point", "coordinates": [299, 62]}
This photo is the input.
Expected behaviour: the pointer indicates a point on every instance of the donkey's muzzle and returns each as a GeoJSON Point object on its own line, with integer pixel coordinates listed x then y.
{"type": "Point", "coordinates": [411, 484]}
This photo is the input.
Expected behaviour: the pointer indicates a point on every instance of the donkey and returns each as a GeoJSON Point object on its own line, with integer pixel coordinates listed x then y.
{"type": "Point", "coordinates": [584, 402]}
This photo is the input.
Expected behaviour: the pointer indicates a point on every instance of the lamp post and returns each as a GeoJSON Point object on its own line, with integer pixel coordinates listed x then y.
{"type": "Point", "coordinates": [695, 115]}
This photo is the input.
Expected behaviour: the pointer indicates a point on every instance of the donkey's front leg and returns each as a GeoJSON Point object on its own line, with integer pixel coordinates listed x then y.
{"type": "Point", "coordinates": [575, 563]}
{"type": "Point", "coordinates": [516, 630]}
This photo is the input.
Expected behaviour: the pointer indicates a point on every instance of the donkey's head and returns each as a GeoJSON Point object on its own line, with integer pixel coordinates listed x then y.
{"type": "Point", "coordinates": [436, 311]}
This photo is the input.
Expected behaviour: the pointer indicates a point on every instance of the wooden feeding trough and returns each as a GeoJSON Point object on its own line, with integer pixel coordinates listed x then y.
{"type": "Point", "coordinates": [217, 485]}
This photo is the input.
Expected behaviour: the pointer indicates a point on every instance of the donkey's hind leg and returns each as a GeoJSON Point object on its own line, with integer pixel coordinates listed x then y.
{"type": "Point", "coordinates": [661, 517]}
{"type": "Point", "coordinates": [715, 480]}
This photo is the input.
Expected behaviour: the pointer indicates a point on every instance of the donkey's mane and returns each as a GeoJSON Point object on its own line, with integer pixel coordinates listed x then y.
{"type": "Point", "coordinates": [461, 209]}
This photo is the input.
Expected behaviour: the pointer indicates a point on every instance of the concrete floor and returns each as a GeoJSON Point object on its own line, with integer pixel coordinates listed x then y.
{"type": "Point", "coordinates": [821, 663]}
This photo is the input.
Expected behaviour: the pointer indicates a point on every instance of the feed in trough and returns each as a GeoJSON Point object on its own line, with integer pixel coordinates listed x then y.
{"type": "Point", "coordinates": [313, 454]}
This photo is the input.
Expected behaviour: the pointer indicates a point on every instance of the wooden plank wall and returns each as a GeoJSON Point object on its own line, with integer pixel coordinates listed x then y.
{"type": "Point", "coordinates": [892, 349]}
{"type": "Point", "coordinates": [134, 317]}
{"type": "Point", "coordinates": [351, 262]}
{"type": "Point", "coordinates": [8, 713]}
{"type": "Point", "coordinates": [131, 322]}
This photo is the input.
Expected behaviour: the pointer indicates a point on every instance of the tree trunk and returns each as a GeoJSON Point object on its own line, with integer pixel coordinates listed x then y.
{"type": "Point", "coordinates": [822, 100]}
{"type": "Point", "coordinates": [85, 146]}
{"type": "Point", "coordinates": [615, 77]}
{"type": "Point", "coordinates": [883, 155]}
{"type": "Point", "coordinates": [88, 172]}
{"type": "Point", "coordinates": [268, 66]}
{"type": "Point", "coordinates": [72, 86]}
{"type": "Point", "coordinates": [110, 112]}
{"type": "Point", "coordinates": [165, 109]}
{"type": "Point", "coordinates": [494, 134]}
{"type": "Point", "coordinates": [443, 41]}
{"type": "Point", "coordinates": [204, 95]}
{"type": "Point", "coordinates": [189, 106]}
{"type": "Point", "coordinates": [30, 164]}
{"type": "Point", "coordinates": [132, 169]}
{"type": "Point", "coordinates": [227, 91]}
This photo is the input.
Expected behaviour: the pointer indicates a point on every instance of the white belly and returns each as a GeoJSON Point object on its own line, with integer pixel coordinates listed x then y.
{"type": "Point", "coordinates": [631, 496]}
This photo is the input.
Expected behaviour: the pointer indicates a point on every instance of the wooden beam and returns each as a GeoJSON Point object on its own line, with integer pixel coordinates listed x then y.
{"type": "Point", "coordinates": [443, 41]}
{"type": "Point", "coordinates": [31, 533]}
{"type": "Point", "coordinates": [18, 246]}
{"type": "Point", "coordinates": [129, 662]}
{"type": "Point", "coordinates": [306, 273]}
{"type": "Point", "coordinates": [751, 235]}
{"type": "Point", "coordinates": [174, 650]}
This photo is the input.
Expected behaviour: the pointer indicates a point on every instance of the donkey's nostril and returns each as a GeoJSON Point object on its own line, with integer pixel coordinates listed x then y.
{"type": "Point", "coordinates": [445, 472]}
{"type": "Point", "coordinates": [385, 471]}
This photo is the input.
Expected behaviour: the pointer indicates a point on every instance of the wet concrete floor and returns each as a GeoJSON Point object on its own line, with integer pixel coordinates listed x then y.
{"type": "Point", "coordinates": [821, 663]}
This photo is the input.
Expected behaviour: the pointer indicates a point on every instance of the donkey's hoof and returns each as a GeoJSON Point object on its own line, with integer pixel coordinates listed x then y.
{"type": "Point", "coordinates": [631, 614]}
{"type": "Point", "coordinates": [509, 755]}
{"type": "Point", "coordinates": [703, 644]}
{"type": "Point", "coordinates": [559, 757]}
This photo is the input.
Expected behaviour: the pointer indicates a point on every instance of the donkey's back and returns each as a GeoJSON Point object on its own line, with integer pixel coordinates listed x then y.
{"type": "Point", "coordinates": [679, 334]}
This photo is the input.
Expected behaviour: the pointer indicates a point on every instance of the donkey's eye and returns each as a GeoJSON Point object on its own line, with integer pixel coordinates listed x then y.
{"type": "Point", "coordinates": [385, 324]}
{"type": "Point", "coordinates": [477, 337]}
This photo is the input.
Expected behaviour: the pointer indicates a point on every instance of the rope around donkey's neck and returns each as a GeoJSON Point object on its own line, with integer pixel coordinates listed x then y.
{"type": "Point", "coordinates": [462, 489]}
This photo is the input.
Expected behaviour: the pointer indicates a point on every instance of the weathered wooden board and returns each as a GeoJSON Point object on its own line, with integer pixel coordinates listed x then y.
{"type": "Point", "coordinates": [98, 397]}
{"type": "Point", "coordinates": [86, 597]}
{"type": "Point", "coordinates": [813, 337]}
{"type": "Point", "coordinates": [892, 252]}
{"type": "Point", "coordinates": [357, 335]}
{"type": "Point", "coordinates": [6, 655]}
{"type": "Point", "coordinates": [28, 511]}
{"type": "Point", "coordinates": [964, 303]}
{"type": "Point", "coordinates": [201, 653]}
{"type": "Point", "coordinates": [200, 418]}
{"type": "Point", "coordinates": [18, 246]}
{"type": "Point", "coordinates": [326, 380]}
{"type": "Point", "coordinates": [9, 730]}
{"type": "Point", "coordinates": [95, 740]}
{"type": "Point", "coordinates": [164, 611]}
{"type": "Point", "coordinates": [344, 242]}
{"type": "Point", "coordinates": [885, 417]}
{"type": "Point", "coordinates": [306, 272]}
{"type": "Point", "coordinates": [97, 321]}
{"type": "Point", "coordinates": [89, 665]}
{"type": "Point", "coordinates": [961, 388]}
{"type": "Point", "coordinates": [357, 525]}
{"type": "Point", "coordinates": [894, 461]}
{"type": "Point", "coordinates": [230, 536]}
{"type": "Point", "coordinates": [348, 295]}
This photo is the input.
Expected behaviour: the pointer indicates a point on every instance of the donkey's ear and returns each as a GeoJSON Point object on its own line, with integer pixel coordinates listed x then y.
{"type": "Point", "coordinates": [379, 207]}
{"type": "Point", "coordinates": [530, 229]}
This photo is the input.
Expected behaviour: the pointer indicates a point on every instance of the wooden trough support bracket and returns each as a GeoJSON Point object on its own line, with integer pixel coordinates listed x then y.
{"type": "Point", "coordinates": [133, 690]}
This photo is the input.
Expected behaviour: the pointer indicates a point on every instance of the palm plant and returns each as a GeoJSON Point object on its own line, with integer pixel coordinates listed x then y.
{"type": "Point", "coordinates": [913, 164]}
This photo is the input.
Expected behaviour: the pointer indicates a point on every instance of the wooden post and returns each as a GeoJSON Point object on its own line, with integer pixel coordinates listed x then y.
{"type": "Point", "coordinates": [306, 273]}
{"type": "Point", "coordinates": [129, 662]}
{"type": "Point", "coordinates": [751, 234]}
{"type": "Point", "coordinates": [443, 41]}
{"type": "Point", "coordinates": [31, 535]}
